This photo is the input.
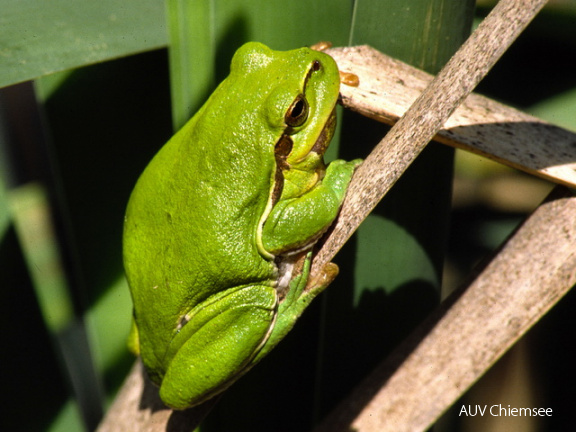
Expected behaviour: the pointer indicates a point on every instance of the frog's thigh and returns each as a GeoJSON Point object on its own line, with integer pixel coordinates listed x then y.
{"type": "Point", "coordinates": [227, 334]}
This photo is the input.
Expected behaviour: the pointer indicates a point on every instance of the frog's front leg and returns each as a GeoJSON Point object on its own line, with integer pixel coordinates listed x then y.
{"type": "Point", "coordinates": [217, 343]}
{"type": "Point", "coordinates": [295, 223]}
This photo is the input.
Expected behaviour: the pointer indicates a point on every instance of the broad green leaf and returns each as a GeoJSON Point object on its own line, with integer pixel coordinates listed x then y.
{"type": "Point", "coordinates": [191, 50]}
{"type": "Point", "coordinates": [40, 37]}
{"type": "Point", "coordinates": [4, 210]}
{"type": "Point", "coordinates": [35, 231]}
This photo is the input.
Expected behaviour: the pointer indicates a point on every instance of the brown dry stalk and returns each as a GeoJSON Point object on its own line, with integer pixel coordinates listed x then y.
{"type": "Point", "coordinates": [408, 137]}
{"type": "Point", "coordinates": [472, 328]}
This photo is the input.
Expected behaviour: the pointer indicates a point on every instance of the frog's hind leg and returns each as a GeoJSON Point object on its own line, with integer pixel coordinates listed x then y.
{"type": "Point", "coordinates": [217, 343]}
{"type": "Point", "coordinates": [300, 293]}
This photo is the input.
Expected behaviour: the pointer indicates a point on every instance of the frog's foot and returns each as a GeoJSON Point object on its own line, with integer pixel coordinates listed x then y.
{"type": "Point", "coordinates": [321, 46]}
{"type": "Point", "coordinates": [322, 279]}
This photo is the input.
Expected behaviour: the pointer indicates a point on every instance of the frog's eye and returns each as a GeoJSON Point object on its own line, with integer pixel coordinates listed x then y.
{"type": "Point", "coordinates": [297, 113]}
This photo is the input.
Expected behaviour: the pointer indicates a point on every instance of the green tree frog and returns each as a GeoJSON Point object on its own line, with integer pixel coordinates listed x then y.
{"type": "Point", "coordinates": [220, 225]}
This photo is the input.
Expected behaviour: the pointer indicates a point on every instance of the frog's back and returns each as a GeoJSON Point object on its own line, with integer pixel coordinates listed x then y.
{"type": "Point", "coordinates": [191, 225]}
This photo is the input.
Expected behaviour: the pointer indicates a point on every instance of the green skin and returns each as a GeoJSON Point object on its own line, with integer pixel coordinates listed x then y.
{"type": "Point", "coordinates": [222, 212]}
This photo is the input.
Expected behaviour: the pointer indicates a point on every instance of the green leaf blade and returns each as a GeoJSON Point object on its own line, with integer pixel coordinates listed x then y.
{"type": "Point", "coordinates": [38, 38]}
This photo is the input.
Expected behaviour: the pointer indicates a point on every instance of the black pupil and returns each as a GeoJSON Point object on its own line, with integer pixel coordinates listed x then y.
{"type": "Point", "coordinates": [298, 109]}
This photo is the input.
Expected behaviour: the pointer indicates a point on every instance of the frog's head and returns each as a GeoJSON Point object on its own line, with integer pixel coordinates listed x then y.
{"type": "Point", "coordinates": [299, 99]}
